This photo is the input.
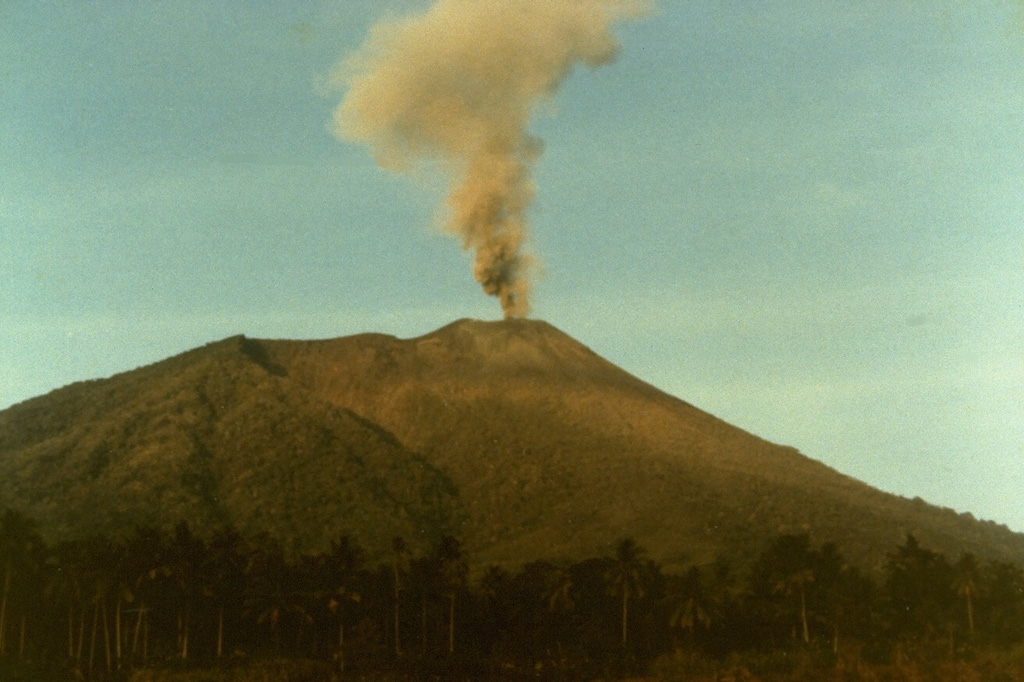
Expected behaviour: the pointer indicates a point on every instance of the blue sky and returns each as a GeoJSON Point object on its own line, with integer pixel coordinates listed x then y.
{"type": "Point", "coordinates": [803, 217]}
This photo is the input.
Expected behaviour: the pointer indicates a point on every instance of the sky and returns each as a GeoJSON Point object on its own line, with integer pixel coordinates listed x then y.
{"type": "Point", "coordinates": [804, 217]}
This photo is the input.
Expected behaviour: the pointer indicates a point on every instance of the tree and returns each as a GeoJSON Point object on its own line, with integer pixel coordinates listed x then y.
{"type": "Point", "coordinates": [69, 587]}
{"type": "Point", "coordinates": [186, 559]}
{"type": "Point", "coordinates": [343, 562]}
{"type": "Point", "coordinates": [425, 584]}
{"type": "Point", "coordinates": [690, 610]}
{"type": "Point", "coordinates": [730, 624]}
{"type": "Point", "coordinates": [20, 548]}
{"type": "Point", "coordinates": [399, 567]}
{"type": "Point", "coordinates": [967, 585]}
{"type": "Point", "coordinates": [101, 559]}
{"type": "Point", "coordinates": [627, 578]}
{"type": "Point", "coordinates": [559, 600]}
{"type": "Point", "coordinates": [272, 597]}
{"type": "Point", "coordinates": [453, 579]}
{"type": "Point", "coordinates": [496, 629]}
{"type": "Point", "coordinates": [849, 598]}
{"type": "Point", "coordinates": [558, 590]}
{"type": "Point", "coordinates": [122, 586]}
{"type": "Point", "coordinates": [919, 589]}
{"type": "Point", "coordinates": [794, 581]}
{"type": "Point", "coordinates": [148, 572]}
{"type": "Point", "coordinates": [1001, 604]}
{"type": "Point", "coordinates": [226, 561]}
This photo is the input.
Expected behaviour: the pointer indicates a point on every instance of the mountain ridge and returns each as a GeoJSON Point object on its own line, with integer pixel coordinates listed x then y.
{"type": "Point", "coordinates": [511, 435]}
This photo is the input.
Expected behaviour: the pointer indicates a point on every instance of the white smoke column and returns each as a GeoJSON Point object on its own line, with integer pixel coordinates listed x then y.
{"type": "Point", "coordinates": [458, 84]}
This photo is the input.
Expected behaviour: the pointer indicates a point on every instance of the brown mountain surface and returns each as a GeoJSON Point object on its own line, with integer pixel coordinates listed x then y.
{"type": "Point", "coordinates": [510, 435]}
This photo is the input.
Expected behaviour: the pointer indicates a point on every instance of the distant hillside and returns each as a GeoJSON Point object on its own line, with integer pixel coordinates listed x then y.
{"type": "Point", "coordinates": [510, 435]}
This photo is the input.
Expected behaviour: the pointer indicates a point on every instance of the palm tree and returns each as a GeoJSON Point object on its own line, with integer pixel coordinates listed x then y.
{"type": "Point", "coordinates": [424, 582]}
{"type": "Point", "coordinates": [30, 580]}
{"type": "Point", "coordinates": [627, 578]}
{"type": "Point", "coordinates": [272, 598]}
{"type": "Point", "coordinates": [845, 596]}
{"type": "Point", "coordinates": [453, 578]}
{"type": "Point", "coordinates": [967, 585]}
{"type": "Point", "coordinates": [1003, 599]}
{"type": "Point", "coordinates": [795, 583]}
{"type": "Point", "coordinates": [69, 587]}
{"type": "Point", "coordinates": [690, 609]}
{"type": "Point", "coordinates": [341, 595]}
{"type": "Point", "coordinates": [225, 569]}
{"type": "Point", "coordinates": [20, 545]}
{"type": "Point", "coordinates": [146, 564]}
{"type": "Point", "coordinates": [99, 578]}
{"type": "Point", "coordinates": [495, 588]}
{"type": "Point", "coordinates": [399, 566]}
{"type": "Point", "coordinates": [920, 589]}
{"type": "Point", "coordinates": [124, 593]}
{"type": "Point", "coordinates": [786, 569]}
{"type": "Point", "coordinates": [343, 562]}
{"type": "Point", "coordinates": [558, 590]}
{"type": "Point", "coordinates": [186, 558]}
{"type": "Point", "coordinates": [558, 587]}
{"type": "Point", "coordinates": [308, 582]}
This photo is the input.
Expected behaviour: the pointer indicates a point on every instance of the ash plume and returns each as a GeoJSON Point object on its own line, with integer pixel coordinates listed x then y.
{"type": "Point", "coordinates": [456, 85]}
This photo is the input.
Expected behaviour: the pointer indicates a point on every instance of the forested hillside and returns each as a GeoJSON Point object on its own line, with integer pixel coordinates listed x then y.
{"type": "Point", "coordinates": [510, 435]}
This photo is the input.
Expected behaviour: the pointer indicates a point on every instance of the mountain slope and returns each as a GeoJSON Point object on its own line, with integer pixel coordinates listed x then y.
{"type": "Point", "coordinates": [510, 435]}
{"type": "Point", "coordinates": [213, 436]}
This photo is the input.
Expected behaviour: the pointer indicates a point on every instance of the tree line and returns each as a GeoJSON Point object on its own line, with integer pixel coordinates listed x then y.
{"type": "Point", "coordinates": [99, 607]}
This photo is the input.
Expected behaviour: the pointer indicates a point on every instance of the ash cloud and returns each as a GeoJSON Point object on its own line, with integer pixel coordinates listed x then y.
{"type": "Point", "coordinates": [457, 84]}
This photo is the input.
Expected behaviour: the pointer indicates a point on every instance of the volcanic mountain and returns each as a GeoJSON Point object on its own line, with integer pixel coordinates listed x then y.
{"type": "Point", "coordinates": [509, 435]}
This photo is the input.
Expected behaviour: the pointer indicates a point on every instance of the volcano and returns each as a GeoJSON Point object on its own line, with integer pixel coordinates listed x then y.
{"type": "Point", "coordinates": [511, 436]}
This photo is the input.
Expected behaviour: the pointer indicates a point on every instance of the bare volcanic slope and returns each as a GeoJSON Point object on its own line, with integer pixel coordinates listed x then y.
{"type": "Point", "coordinates": [510, 435]}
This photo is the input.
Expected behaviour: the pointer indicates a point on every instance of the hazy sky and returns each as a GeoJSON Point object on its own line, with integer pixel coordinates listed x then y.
{"type": "Point", "coordinates": [804, 217]}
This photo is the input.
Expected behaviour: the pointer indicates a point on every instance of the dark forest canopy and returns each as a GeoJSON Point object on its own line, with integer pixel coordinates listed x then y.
{"type": "Point", "coordinates": [106, 607]}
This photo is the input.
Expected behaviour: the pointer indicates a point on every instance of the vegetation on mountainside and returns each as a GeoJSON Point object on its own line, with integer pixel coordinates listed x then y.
{"type": "Point", "coordinates": [217, 440]}
{"type": "Point", "coordinates": [512, 436]}
{"type": "Point", "coordinates": [156, 605]}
